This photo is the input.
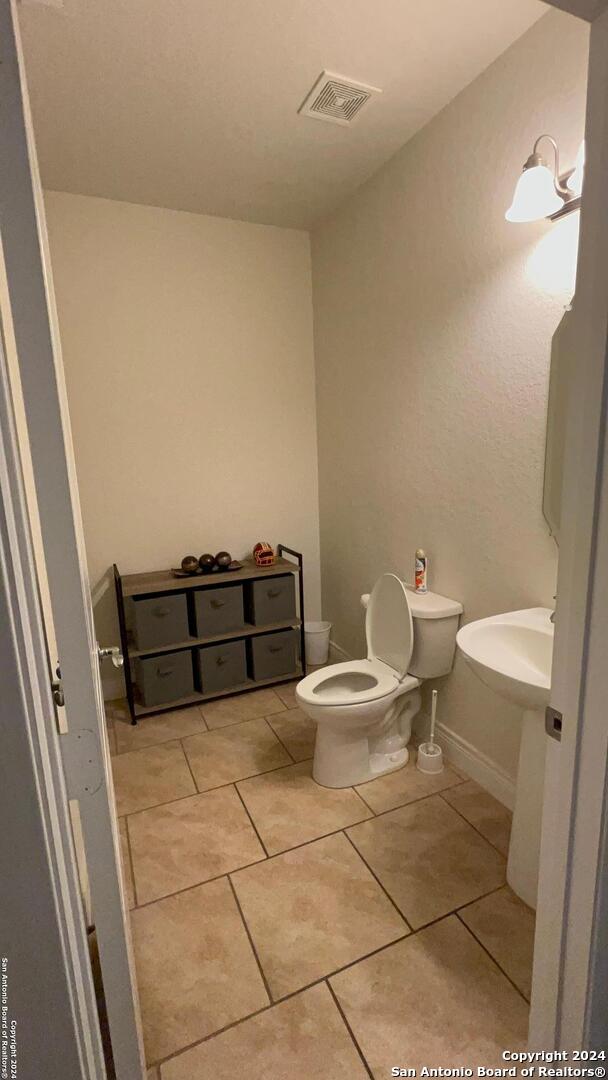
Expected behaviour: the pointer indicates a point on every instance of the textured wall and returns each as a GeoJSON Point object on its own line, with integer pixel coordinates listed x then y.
{"type": "Point", "coordinates": [433, 321]}
{"type": "Point", "coordinates": [188, 350]}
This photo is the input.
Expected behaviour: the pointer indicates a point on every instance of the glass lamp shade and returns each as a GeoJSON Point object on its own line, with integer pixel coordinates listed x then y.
{"type": "Point", "coordinates": [575, 182]}
{"type": "Point", "coordinates": [535, 196]}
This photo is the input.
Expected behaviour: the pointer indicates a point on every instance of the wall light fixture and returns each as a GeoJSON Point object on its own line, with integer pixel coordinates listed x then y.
{"type": "Point", "coordinates": [541, 192]}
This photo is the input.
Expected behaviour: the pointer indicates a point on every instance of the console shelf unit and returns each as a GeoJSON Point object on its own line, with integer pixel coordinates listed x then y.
{"type": "Point", "coordinates": [163, 581]}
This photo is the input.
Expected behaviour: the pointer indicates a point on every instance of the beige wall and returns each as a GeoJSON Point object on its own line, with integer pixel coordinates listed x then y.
{"type": "Point", "coordinates": [187, 343]}
{"type": "Point", "coordinates": [433, 320]}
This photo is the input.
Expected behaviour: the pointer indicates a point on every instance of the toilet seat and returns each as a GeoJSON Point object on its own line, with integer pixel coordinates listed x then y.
{"type": "Point", "coordinates": [351, 683]}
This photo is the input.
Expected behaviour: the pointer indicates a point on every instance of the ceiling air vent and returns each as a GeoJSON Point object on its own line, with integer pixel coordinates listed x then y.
{"type": "Point", "coordinates": [336, 99]}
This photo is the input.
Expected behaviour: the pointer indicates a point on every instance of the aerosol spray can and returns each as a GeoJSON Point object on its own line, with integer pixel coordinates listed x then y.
{"type": "Point", "coordinates": [421, 571]}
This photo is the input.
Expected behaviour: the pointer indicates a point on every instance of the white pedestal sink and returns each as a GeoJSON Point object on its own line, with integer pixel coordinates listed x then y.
{"type": "Point", "coordinates": [512, 654]}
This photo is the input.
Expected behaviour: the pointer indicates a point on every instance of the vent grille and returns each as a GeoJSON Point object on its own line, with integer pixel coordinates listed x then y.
{"type": "Point", "coordinates": [336, 99]}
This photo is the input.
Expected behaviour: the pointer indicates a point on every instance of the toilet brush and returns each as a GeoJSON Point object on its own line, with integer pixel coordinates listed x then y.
{"type": "Point", "coordinates": [430, 756]}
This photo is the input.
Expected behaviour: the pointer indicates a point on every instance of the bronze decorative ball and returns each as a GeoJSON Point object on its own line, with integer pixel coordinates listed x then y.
{"type": "Point", "coordinates": [223, 559]}
{"type": "Point", "coordinates": [206, 563]}
{"type": "Point", "coordinates": [190, 564]}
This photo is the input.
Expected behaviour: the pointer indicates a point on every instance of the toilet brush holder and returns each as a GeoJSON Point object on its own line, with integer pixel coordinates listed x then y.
{"type": "Point", "coordinates": [430, 758]}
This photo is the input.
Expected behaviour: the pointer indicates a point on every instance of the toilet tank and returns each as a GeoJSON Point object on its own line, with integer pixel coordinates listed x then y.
{"type": "Point", "coordinates": [436, 621]}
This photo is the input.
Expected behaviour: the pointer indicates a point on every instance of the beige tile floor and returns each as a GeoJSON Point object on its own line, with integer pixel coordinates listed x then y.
{"type": "Point", "coordinates": [284, 929]}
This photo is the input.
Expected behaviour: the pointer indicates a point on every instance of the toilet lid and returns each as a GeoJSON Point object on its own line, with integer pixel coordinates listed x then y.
{"type": "Point", "coordinates": [388, 624]}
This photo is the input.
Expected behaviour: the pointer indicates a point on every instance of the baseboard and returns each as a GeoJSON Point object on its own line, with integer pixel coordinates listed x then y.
{"type": "Point", "coordinates": [113, 687]}
{"type": "Point", "coordinates": [477, 765]}
{"type": "Point", "coordinates": [337, 654]}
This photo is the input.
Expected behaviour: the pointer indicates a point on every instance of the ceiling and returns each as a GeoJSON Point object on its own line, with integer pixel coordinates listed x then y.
{"type": "Point", "coordinates": [192, 104]}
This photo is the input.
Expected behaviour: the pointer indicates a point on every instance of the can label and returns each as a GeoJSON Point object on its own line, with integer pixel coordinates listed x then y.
{"type": "Point", "coordinates": [420, 579]}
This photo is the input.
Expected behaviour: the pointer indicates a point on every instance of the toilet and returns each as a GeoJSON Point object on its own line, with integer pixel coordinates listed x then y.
{"type": "Point", "coordinates": [364, 708]}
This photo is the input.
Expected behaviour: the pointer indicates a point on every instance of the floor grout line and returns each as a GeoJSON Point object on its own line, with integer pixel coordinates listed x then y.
{"type": "Point", "coordinates": [190, 767]}
{"type": "Point", "coordinates": [273, 1002]}
{"type": "Point", "coordinates": [484, 896]}
{"type": "Point", "coordinates": [492, 958]}
{"type": "Point", "coordinates": [377, 879]}
{"type": "Point", "coordinates": [131, 862]}
{"type": "Point", "coordinates": [200, 713]}
{"type": "Point", "coordinates": [370, 808]}
{"type": "Point", "coordinates": [345, 967]}
{"type": "Point", "coordinates": [207, 791]}
{"type": "Point", "coordinates": [401, 806]}
{"type": "Point", "coordinates": [251, 941]}
{"type": "Point", "coordinates": [307, 843]}
{"type": "Point", "coordinates": [253, 824]}
{"type": "Point", "coordinates": [207, 1038]}
{"type": "Point", "coordinates": [270, 858]}
{"type": "Point", "coordinates": [159, 742]}
{"type": "Point", "coordinates": [178, 738]}
{"type": "Point", "coordinates": [277, 1001]}
{"type": "Point", "coordinates": [233, 723]}
{"type": "Point", "coordinates": [349, 1029]}
{"type": "Point", "coordinates": [268, 720]}
{"type": "Point", "coordinates": [199, 884]}
{"type": "Point", "coordinates": [455, 910]}
{"type": "Point", "coordinates": [464, 818]}
{"type": "Point", "coordinates": [295, 847]}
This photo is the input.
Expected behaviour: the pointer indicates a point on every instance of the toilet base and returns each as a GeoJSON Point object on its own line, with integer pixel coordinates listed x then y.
{"type": "Point", "coordinates": [346, 756]}
{"type": "Point", "coordinates": [367, 767]}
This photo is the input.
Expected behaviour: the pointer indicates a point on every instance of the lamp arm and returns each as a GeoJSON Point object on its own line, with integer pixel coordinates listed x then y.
{"type": "Point", "coordinates": [563, 191]}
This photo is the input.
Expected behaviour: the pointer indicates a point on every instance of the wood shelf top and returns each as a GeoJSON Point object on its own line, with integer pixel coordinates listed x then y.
{"type": "Point", "coordinates": [197, 698]}
{"type": "Point", "coordinates": [158, 581]}
{"type": "Point", "coordinates": [214, 639]}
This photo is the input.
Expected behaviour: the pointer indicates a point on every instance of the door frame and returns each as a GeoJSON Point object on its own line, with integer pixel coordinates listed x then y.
{"type": "Point", "coordinates": [30, 307]}
{"type": "Point", "coordinates": [571, 947]}
{"type": "Point", "coordinates": [52, 932]}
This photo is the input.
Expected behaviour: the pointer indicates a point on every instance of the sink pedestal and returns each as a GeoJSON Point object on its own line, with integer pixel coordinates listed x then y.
{"type": "Point", "coordinates": [524, 848]}
{"type": "Point", "coordinates": [512, 654]}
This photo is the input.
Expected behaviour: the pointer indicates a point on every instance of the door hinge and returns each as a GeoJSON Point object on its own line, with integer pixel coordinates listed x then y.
{"type": "Point", "coordinates": [82, 766]}
{"type": "Point", "coordinates": [553, 722]}
{"type": "Point", "coordinates": [58, 695]}
{"type": "Point", "coordinates": [57, 689]}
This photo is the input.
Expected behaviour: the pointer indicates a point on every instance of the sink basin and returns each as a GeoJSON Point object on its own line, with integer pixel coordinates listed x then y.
{"type": "Point", "coordinates": [512, 654]}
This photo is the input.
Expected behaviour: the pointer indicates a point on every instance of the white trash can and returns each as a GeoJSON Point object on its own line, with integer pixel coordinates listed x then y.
{"type": "Point", "coordinates": [317, 641]}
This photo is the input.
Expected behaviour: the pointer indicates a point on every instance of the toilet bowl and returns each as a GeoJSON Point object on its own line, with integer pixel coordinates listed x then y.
{"type": "Point", "coordinates": [364, 708]}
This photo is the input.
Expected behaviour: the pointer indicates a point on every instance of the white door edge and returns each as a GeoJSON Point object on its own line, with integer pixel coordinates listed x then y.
{"type": "Point", "coordinates": [571, 954]}
{"type": "Point", "coordinates": [37, 718]}
{"type": "Point", "coordinates": [34, 323]}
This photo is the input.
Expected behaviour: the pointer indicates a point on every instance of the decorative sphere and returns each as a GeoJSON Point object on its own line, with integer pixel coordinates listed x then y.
{"type": "Point", "coordinates": [206, 563]}
{"type": "Point", "coordinates": [223, 558]}
{"type": "Point", "coordinates": [189, 564]}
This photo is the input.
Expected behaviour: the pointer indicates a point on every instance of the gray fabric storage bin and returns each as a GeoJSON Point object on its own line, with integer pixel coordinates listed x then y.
{"type": "Point", "coordinates": [273, 654]}
{"type": "Point", "coordinates": [159, 620]}
{"type": "Point", "coordinates": [218, 611]}
{"type": "Point", "coordinates": [273, 599]}
{"type": "Point", "coordinates": [164, 678]}
{"type": "Point", "coordinates": [222, 666]}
